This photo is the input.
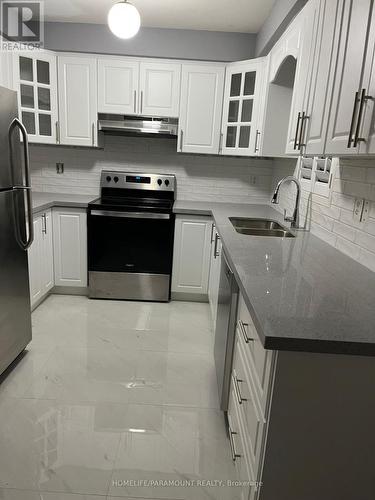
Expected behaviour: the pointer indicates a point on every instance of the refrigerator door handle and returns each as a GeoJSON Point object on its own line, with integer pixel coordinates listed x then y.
{"type": "Point", "coordinates": [26, 188]}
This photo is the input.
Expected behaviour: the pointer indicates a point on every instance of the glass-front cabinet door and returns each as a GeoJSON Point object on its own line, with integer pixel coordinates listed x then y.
{"type": "Point", "coordinates": [241, 126]}
{"type": "Point", "coordinates": [35, 78]}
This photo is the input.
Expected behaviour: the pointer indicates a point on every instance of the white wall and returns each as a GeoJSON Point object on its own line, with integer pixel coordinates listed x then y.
{"type": "Point", "coordinates": [198, 177]}
{"type": "Point", "coordinates": [332, 218]}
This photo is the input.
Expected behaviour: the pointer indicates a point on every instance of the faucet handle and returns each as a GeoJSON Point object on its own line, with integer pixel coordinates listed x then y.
{"type": "Point", "coordinates": [287, 218]}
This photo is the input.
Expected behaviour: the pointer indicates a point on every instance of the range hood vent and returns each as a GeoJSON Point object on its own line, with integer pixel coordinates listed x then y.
{"type": "Point", "coordinates": [138, 125]}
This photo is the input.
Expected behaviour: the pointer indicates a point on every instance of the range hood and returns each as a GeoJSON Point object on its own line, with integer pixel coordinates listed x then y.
{"type": "Point", "coordinates": [137, 125]}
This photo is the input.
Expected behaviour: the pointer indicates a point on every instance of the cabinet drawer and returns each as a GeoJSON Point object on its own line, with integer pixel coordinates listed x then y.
{"type": "Point", "coordinates": [244, 470]}
{"type": "Point", "coordinates": [257, 359]}
{"type": "Point", "coordinates": [250, 413]}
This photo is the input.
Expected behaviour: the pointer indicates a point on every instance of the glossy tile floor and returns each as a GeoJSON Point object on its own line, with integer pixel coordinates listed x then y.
{"type": "Point", "coordinates": [114, 399]}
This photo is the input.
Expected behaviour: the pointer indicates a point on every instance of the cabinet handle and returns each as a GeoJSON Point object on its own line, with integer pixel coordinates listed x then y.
{"type": "Point", "coordinates": [44, 224]}
{"type": "Point", "coordinates": [212, 233]}
{"type": "Point", "coordinates": [364, 98]}
{"type": "Point", "coordinates": [236, 385]}
{"type": "Point", "coordinates": [135, 101]}
{"type": "Point", "coordinates": [300, 143]}
{"type": "Point", "coordinates": [57, 132]}
{"type": "Point", "coordinates": [216, 253]}
{"type": "Point", "coordinates": [297, 129]}
{"type": "Point", "coordinates": [235, 455]}
{"type": "Point", "coordinates": [350, 140]}
{"type": "Point", "coordinates": [221, 143]}
{"type": "Point", "coordinates": [256, 149]}
{"type": "Point", "coordinates": [242, 327]}
{"type": "Point", "coordinates": [93, 134]}
{"type": "Point", "coordinates": [141, 101]}
{"type": "Point", "coordinates": [181, 140]}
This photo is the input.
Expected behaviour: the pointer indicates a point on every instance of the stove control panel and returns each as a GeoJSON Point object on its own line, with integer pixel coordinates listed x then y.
{"type": "Point", "coordinates": [136, 180]}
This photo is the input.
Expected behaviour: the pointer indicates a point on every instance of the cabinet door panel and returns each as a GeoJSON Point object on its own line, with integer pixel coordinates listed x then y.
{"type": "Point", "coordinates": [35, 262]}
{"type": "Point", "coordinates": [348, 77]}
{"type": "Point", "coordinates": [214, 279]}
{"type": "Point", "coordinates": [47, 253]}
{"type": "Point", "coordinates": [191, 255]}
{"type": "Point", "coordinates": [160, 89]}
{"type": "Point", "coordinates": [70, 247]}
{"type": "Point", "coordinates": [118, 81]}
{"type": "Point", "coordinates": [78, 100]}
{"type": "Point", "coordinates": [201, 105]}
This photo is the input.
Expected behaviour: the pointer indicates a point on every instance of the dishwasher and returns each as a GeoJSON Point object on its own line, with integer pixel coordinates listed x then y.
{"type": "Point", "coordinates": [225, 330]}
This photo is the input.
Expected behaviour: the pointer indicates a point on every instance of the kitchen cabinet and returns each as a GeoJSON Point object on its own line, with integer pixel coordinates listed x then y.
{"type": "Point", "coordinates": [214, 278]}
{"type": "Point", "coordinates": [303, 29]}
{"type": "Point", "coordinates": [202, 88]}
{"type": "Point", "coordinates": [35, 79]}
{"type": "Point", "coordinates": [243, 96]}
{"type": "Point", "coordinates": [191, 257]}
{"type": "Point", "coordinates": [118, 81]}
{"type": "Point", "coordinates": [77, 80]}
{"type": "Point", "coordinates": [40, 256]}
{"type": "Point", "coordinates": [70, 247]}
{"type": "Point", "coordinates": [6, 65]}
{"type": "Point", "coordinates": [350, 87]}
{"type": "Point", "coordinates": [160, 89]}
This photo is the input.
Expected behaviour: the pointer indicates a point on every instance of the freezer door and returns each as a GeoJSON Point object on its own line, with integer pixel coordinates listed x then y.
{"type": "Point", "coordinates": [8, 107]}
{"type": "Point", "coordinates": [15, 317]}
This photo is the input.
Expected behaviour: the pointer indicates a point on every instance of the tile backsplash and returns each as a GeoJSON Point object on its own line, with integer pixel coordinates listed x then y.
{"type": "Point", "coordinates": [331, 218]}
{"type": "Point", "coordinates": [201, 178]}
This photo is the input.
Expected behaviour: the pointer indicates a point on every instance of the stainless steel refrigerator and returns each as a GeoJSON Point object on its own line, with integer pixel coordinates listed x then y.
{"type": "Point", "coordinates": [16, 232]}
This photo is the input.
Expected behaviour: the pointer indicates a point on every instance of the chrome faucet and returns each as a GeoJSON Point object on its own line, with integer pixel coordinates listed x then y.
{"type": "Point", "coordinates": [294, 219]}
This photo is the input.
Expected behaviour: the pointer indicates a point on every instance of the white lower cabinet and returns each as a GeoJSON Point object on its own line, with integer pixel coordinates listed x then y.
{"type": "Point", "coordinates": [40, 254]}
{"type": "Point", "coordinates": [191, 259]}
{"type": "Point", "coordinates": [70, 247]}
{"type": "Point", "coordinates": [214, 279]}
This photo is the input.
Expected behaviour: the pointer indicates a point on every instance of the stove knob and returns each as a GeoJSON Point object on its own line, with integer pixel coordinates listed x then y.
{"type": "Point", "coordinates": [109, 178]}
{"type": "Point", "coordinates": [160, 182]}
{"type": "Point", "coordinates": [166, 182]}
{"type": "Point", "coordinates": [116, 179]}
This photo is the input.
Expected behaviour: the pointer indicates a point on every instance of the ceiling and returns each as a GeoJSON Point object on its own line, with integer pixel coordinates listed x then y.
{"type": "Point", "coordinates": [244, 16]}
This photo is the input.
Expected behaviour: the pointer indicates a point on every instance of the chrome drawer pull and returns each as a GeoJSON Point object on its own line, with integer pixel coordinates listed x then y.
{"type": "Point", "coordinates": [236, 384]}
{"type": "Point", "coordinates": [235, 455]}
{"type": "Point", "coordinates": [242, 327]}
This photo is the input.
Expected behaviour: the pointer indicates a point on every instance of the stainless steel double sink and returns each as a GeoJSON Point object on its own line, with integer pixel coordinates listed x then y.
{"type": "Point", "coordinates": [260, 227]}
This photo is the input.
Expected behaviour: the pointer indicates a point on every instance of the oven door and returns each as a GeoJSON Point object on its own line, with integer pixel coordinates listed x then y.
{"type": "Point", "coordinates": [130, 254]}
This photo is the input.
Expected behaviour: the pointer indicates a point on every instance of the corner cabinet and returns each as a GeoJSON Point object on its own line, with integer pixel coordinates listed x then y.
{"type": "Point", "coordinates": [202, 88]}
{"type": "Point", "coordinates": [40, 256]}
{"type": "Point", "coordinates": [70, 247]}
{"type": "Point", "coordinates": [35, 79]}
{"type": "Point", "coordinates": [243, 99]}
{"type": "Point", "coordinates": [191, 257]}
{"type": "Point", "coordinates": [77, 79]}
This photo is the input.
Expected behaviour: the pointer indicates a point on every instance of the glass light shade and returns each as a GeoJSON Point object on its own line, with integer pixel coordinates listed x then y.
{"type": "Point", "coordinates": [124, 20]}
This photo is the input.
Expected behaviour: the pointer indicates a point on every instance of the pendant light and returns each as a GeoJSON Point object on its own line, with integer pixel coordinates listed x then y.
{"type": "Point", "coordinates": [124, 20]}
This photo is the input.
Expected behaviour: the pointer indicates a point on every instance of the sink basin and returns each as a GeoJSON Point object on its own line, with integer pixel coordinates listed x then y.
{"type": "Point", "coordinates": [260, 227]}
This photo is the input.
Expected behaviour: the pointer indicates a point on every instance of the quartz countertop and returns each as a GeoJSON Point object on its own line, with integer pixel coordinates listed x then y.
{"type": "Point", "coordinates": [302, 293]}
{"type": "Point", "coordinates": [44, 201]}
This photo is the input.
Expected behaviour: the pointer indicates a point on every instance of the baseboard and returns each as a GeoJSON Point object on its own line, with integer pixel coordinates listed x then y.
{"type": "Point", "coordinates": [70, 290]}
{"type": "Point", "coordinates": [189, 297]}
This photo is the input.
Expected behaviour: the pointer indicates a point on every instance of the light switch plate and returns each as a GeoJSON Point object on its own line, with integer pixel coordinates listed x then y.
{"type": "Point", "coordinates": [365, 211]}
{"type": "Point", "coordinates": [358, 209]}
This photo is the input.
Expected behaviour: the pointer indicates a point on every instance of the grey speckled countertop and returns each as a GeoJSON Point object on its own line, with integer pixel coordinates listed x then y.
{"type": "Point", "coordinates": [302, 293]}
{"type": "Point", "coordinates": [44, 201]}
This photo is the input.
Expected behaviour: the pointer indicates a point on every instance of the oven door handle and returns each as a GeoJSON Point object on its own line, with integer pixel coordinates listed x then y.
{"type": "Point", "coordinates": [130, 215]}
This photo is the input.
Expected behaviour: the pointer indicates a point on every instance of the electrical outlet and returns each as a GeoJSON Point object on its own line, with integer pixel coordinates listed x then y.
{"type": "Point", "coordinates": [59, 168]}
{"type": "Point", "coordinates": [365, 211]}
{"type": "Point", "coordinates": [253, 180]}
{"type": "Point", "coordinates": [358, 209]}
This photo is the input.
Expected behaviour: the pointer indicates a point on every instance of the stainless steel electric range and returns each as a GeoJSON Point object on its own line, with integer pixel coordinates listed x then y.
{"type": "Point", "coordinates": [130, 237]}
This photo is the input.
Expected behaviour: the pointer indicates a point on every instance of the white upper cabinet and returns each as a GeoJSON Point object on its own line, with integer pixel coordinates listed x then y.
{"type": "Point", "coordinates": [35, 79]}
{"type": "Point", "coordinates": [159, 89]}
{"type": "Point", "coordinates": [118, 80]}
{"type": "Point", "coordinates": [77, 77]}
{"type": "Point", "coordinates": [303, 33]}
{"type": "Point", "coordinates": [202, 88]}
{"type": "Point", "coordinates": [318, 107]}
{"type": "Point", "coordinates": [241, 125]}
{"type": "Point", "coordinates": [349, 88]}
